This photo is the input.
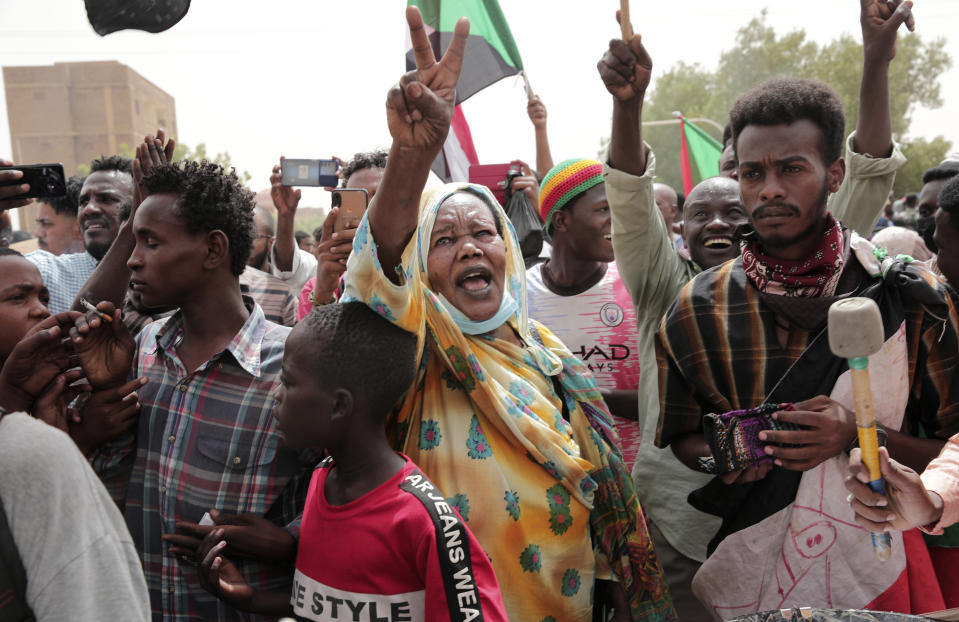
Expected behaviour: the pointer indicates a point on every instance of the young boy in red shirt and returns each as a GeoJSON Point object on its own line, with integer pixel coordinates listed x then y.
{"type": "Point", "coordinates": [378, 541]}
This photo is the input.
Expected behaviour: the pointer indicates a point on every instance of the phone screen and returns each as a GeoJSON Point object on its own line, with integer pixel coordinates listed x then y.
{"type": "Point", "coordinates": [298, 172]}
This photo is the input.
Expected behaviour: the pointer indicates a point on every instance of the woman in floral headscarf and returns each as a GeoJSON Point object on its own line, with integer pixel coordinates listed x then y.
{"type": "Point", "coordinates": [502, 418]}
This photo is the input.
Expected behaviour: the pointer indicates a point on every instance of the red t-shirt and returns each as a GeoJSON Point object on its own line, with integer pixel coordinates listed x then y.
{"type": "Point", "coordinates": [400, 553]}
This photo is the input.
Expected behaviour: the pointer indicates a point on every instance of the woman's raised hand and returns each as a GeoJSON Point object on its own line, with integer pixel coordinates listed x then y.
{"type": "Point", "coordinates": [419, 108]}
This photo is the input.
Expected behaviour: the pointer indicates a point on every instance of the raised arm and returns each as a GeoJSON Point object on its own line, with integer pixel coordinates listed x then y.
{"type": "Point", "coordinates": [418, 111]}
{"type": "Point", "coordinates": [879, 26]}
{"type": "Point", "coordinates": [286, 199]}
{"type": "Point", "coordinates": [537, 114]}
{"type": "Point", "coordinates": [626, 69]}
{"type": "Point", "coordinates": [871, 156]}
{"type": "Point", "coordinates": [110, 278]}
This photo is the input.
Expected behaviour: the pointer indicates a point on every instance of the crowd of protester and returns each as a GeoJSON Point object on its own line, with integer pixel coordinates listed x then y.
{"type": "Point", "coordinates": [209, 415]}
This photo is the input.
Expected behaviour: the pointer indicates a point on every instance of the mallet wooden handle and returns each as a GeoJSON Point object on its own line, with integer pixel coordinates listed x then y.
{"type": "Point", "coordinates": [869, 442]}
{"type": "Point", "coordinates": [625, 25]}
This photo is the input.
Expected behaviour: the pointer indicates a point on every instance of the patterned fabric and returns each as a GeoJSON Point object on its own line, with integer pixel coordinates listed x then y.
{"type": "Point", "coordinates": [303, 304]}
{"type": "Point", "coordinates": [272, 294]}
{"type": "Point", "coordinates": [564, 182]}
{"type": "Point", "coordinates": [734, 437]}
{"type": "Point", "coordinates": [817, 275]}
{"type": "Point", "coordinates": [64, 275]}
{"type": "Point", "coordinates": [205, 440]}
{"type": "Point", "coordinates": [718, 351]}
{"type": "Point", "coordinates": [547, 495]}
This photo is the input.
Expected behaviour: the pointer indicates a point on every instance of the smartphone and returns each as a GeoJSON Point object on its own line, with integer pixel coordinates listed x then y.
{"type": "Point", "coordinates": [496, 177]}
{"type": "Point", "coordinates": [310, 172]}
{"type": "Point", "coordinates": [46, 180]}
{"type": "Point", "coordinates": [352, 203]}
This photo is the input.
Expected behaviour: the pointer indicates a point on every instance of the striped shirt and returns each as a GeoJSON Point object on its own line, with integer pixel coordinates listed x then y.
{"type": "Point", "coordinates": [64, 275]}
{"type": "Point", "coordinates": [272, 294]}
{"type": "Point", "coordinates": [206, 440]}
{"type": "Point", "coordinates": [718, 351]}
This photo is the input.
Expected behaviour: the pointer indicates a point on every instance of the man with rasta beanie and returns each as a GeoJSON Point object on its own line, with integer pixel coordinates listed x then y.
{"type": "Point", "coordinates": [578, 293]}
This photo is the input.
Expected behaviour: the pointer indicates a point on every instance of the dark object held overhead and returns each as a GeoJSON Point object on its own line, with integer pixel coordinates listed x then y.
{"type": "Point", "coordinates": [108, 16]}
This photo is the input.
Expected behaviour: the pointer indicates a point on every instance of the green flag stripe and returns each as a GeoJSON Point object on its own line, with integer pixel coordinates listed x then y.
{"type": "Point", "coordinates": [704, 149]}
{"type": "Point", "coordinates": [486, 21]}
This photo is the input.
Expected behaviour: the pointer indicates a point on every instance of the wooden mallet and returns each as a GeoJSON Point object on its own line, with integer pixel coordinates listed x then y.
{"type": "Point", "coordinates": [855, 333]}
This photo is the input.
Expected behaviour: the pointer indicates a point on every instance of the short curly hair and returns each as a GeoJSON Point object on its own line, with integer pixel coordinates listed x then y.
{"type": "Point", "coordinates": [787, 100]}
{"type": "Point", "coordinates": [69, 203]}
{"type": "Point", "coordinates": [367, 346]}
{"type": "Point", "coordinates": [946, 170]}
{"type": "Point", "coordinates": [210, 199]}
{"type": "Point", "coordinates": [112, 163]}
{"type": "Point", "coordinates": [362, 160]}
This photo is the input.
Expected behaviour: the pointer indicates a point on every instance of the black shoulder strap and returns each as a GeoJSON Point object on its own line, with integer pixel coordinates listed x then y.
{"type": "Point", "coordinates": [557, 385]}
{"type": "Point", "coordinates": [13, 579]}
{"type": "Point", "coordinates": [453, 546]}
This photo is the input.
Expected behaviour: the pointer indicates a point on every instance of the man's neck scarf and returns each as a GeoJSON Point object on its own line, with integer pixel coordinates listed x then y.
{"type": "Point", "coordinates": [814, 276]}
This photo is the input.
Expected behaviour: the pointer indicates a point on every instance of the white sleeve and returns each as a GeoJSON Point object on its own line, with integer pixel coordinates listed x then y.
{"type": "Point", "coordinates": [304, 267]}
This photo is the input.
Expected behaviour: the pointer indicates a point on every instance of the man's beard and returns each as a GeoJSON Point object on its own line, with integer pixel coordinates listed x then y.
{"type": "Point", "coordinates": [776, 242]}
{"type": "Point", "coordinates": [98, 249]}
{"type": "Point", "coordinates": [257, 260]}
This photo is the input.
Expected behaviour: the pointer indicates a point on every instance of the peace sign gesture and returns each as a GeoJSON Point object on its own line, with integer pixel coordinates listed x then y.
{"type": "Point", "coordinates": [419, 109]}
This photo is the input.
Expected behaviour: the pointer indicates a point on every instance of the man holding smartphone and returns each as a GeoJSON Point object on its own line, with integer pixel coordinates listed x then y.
{"type": "Point", "coordinates": [298, 267]}
{"type": "Point", "coordinates": [105, 201]}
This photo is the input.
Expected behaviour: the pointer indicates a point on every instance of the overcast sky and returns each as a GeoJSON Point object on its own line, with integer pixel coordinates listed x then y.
{"type": "Point", "coordinates": [308, 78]}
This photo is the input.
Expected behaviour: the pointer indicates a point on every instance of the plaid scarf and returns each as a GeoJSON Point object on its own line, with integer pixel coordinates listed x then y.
{"type": "Point", "coordinates": [817, 275]}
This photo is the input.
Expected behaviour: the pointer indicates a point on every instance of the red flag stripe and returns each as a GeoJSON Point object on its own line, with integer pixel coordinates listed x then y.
{"type": "Point", "coordinates": [684, 159]}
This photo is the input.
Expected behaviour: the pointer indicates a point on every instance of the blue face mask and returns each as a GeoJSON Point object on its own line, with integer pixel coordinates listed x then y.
{"type": "Point", "coordinates": [507, 307]}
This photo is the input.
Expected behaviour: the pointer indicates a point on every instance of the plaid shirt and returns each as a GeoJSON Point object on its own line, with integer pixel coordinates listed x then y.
{"type": "Point", "coordinates": [63, 275]}
{"type": "Point", "coordinates": [206, 439]}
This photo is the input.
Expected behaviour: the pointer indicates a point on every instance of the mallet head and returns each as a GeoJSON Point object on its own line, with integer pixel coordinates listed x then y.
{"type": "Point", "coordinates": [855, 328]}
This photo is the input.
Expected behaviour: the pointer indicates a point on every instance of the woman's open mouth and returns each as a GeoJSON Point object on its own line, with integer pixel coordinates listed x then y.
{"type": "Point", "coordinates": [475, 280]}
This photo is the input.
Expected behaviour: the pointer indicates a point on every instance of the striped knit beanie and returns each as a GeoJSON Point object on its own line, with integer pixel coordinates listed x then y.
{"type": "Point", "coordinates": [564, 182]}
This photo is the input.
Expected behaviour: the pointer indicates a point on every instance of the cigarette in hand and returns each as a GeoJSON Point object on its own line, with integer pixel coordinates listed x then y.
{"type": "Point", "coordinates": [89, 306]}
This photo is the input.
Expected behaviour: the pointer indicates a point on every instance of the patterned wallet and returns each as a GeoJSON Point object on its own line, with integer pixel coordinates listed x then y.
{"type": "Point", "coordinates": [733, 437]}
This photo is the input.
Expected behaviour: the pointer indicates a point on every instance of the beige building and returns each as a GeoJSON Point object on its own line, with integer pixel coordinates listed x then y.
{"type": "Point", "coordinates": [75, 112]}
